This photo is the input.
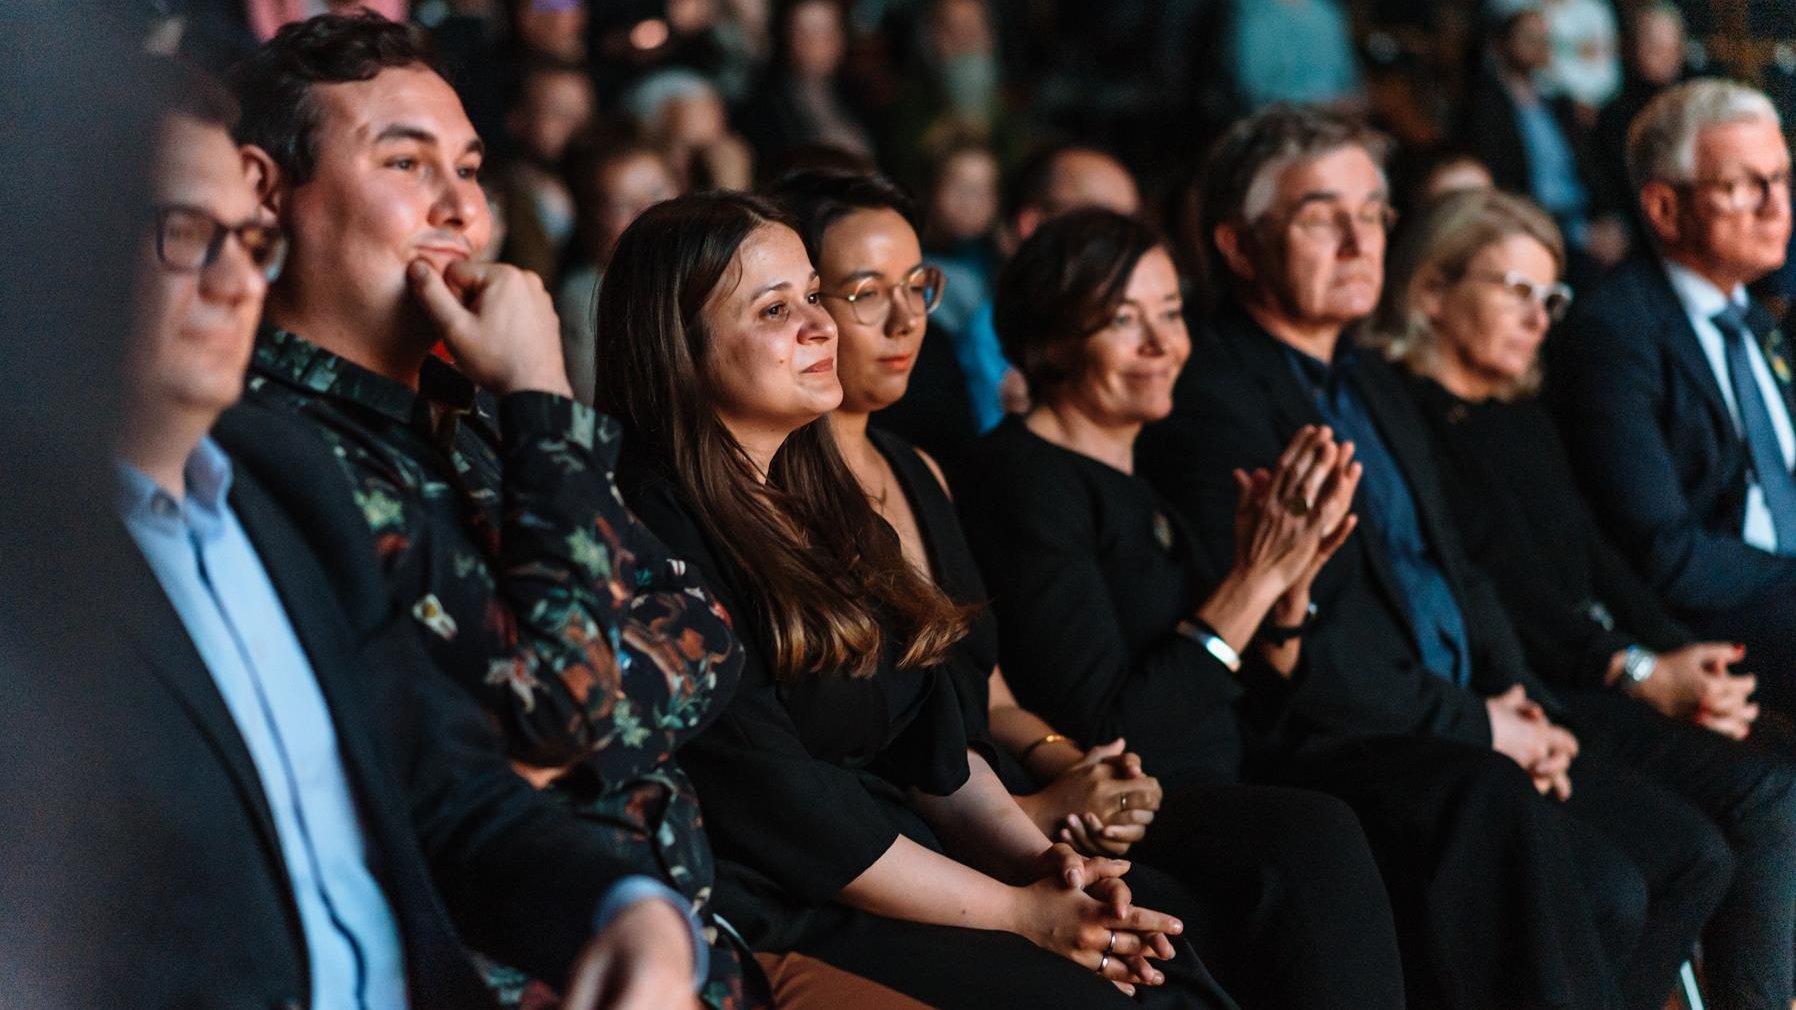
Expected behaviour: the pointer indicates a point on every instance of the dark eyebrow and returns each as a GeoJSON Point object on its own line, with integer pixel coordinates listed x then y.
{"type": "Point", "coordinates": [780, 284]}
{"type": "Point", "coordinates": [406, 131]}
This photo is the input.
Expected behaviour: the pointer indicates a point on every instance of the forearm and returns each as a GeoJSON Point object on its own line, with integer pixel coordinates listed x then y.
{"type": "Point", "coordinates": [1042, 749]}
{"type": "Point", "coordinates": [1239, 604]}
{"type": "Point", "coordinates": [916, 884]}
{"type": "Point", "coordinates": [982, 824]}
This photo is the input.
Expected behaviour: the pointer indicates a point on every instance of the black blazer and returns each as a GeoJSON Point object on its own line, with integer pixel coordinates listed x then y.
{"type": "Point", "coordinates": [1237, 404]}
{"type": "Point", "coordinates": [145, 870]}
{"type": "Point", "coordinates": [1653, 444]}
{"type": "Point", "coordinates": [1574, 600]}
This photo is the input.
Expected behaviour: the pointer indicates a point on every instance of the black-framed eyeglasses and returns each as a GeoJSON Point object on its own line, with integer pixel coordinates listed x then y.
{"type": "Point", "coordinates": [1554, 298]}
{"type": "Point", "coordinates": [189, 240]}
{"type": "Point", "coordinates": [870, 302]}
{"type": "Point", "coordinates": [1750, 191]}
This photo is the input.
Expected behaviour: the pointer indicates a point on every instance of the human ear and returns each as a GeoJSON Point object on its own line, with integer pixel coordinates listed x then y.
{"type": "Point", "coordinates": [1659, 205]}
{"type": "Point", "coordinates": [266, 177]}
{"type": "Point", "coordinates": [1232, 241]}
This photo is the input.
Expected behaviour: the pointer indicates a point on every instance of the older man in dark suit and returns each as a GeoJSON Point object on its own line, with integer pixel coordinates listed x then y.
{"type": "Point", "coordinates": [1409, 637]}
{"type": "Point", "coordinates": [1673, 388]}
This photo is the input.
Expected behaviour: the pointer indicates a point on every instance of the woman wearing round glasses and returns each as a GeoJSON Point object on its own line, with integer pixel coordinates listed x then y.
{"type": "Point", "coordinates": [1473, 286]}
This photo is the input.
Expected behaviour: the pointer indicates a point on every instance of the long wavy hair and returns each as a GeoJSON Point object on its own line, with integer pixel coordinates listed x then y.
{"type": "Point", "coordinates": [829, 580]}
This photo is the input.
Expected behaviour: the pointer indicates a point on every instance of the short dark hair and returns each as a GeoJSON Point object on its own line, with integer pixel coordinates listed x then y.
{"type": "Point", "coordinates": [1278, 134]}
{"type": "Point", "coordinates": [819, 198]}
{"type": "Point", "coordinates": [188, 90]}
{"type": "Point", "coordinates": [274, 84]}
{"type": "Point", "coordinates": [1061, 286]}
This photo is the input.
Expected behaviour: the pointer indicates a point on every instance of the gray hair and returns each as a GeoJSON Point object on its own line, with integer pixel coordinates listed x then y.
{"type": "Point", "coordinates": [1242, 169]}
{"type": "Point", "coordinates": [1662, 138]}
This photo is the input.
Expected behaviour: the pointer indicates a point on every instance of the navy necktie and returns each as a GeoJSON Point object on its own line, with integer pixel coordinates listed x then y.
{"type": "Point", "coordinates": [1768, 466]}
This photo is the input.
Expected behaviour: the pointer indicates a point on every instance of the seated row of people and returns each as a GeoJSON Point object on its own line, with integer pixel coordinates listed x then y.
{"type": "Point", "coordinates": [1222, 616]}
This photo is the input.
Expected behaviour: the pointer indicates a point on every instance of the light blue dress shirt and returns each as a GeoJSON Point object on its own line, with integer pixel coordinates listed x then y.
{"type": "Point", "coordinates": [217, 584]}
{"type": "Point", "coordinates": [213, 577]}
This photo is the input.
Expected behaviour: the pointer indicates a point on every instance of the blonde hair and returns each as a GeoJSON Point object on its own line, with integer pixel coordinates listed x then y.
{"type": "Point", "coordinates": [1439, 246]}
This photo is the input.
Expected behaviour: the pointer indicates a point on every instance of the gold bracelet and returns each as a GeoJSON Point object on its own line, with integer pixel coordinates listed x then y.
{"type": "Point", "coordinates": [1050, 738]}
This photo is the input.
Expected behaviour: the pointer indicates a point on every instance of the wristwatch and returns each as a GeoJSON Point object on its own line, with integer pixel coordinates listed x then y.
{"type": "Point", "coordinates": [1279, 634]}
{"type": "Point", "coordinates": [1637, 664]}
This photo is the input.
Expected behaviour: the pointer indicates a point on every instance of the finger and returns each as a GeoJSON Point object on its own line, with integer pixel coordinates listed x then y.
{"type": "Point", "coordinates": [1159, 946]}
{"type": "Point", "coordinates": [1105, 869]}
{"type": "Point", "coordinates": [441, 304]}
{"type": "Point", "coordinates": [1124, 987]}
{"type": "Point", "coordinates": [1114, 894]}
{"type": "Point", "coordinates": [1140, 817]}
{"type": "Point", "coordinates": [1562, 786]}
{"type": "Point", "coordinates": [1123, 834]}
{"type": "Point", "coordinates": [1144, 972]}
{"type": "Point", "coordinates": [1074, 834]}
{"type": "Point", "coordinates": [1072, 865]}
{"type": "Point", "coordinates": [1146, 920]}
{"type": "Point", "coordinates": [1322, 470]}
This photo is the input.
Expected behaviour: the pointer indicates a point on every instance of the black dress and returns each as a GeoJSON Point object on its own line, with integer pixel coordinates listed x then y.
{"type": "Point", "coordinates": [1489, 913]}
{"type": "Point", "coordinates": [1275, 886]}
{"type": "Point", "coordinates": [803, 788]}
{"type": "Point", "coordinates": [1575, 603]}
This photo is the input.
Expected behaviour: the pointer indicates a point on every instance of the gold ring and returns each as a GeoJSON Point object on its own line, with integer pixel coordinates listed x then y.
{"type": "Point", "coordinates": [1298, 505]}
{"type": "Point", "coordinates": [1125, 801]}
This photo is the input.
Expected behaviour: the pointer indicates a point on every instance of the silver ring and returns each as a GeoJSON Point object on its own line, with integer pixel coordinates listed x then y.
{"type": "Point", "coordinates": [1103, 962]}
{"type": "Point", "coordinates": [1125, 801]}
{"type": "Point", "coordinates": [1111, 945]}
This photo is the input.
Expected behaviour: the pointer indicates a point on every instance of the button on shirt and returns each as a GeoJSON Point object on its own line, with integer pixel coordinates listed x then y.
{"type": "Point", "coordinates": [1702, 301]}
{"type": "Point", "coordinates": [216, 583]}
{"type": "Point", "coordinates": [1427, 596]}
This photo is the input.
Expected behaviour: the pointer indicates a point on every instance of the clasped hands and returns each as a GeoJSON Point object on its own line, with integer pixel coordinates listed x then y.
{"type": "Point", "coordinates": [1079, 908]}
{"type": "Point", "coordinates": [1694, 683]}
{"type": "Point", "coordinates": [1520, 730]}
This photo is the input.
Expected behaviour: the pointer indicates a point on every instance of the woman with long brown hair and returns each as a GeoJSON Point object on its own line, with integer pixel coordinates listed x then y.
{"type": "Point", "coordinates": [850, 821]}
{"type": "Point", "coordinates": [1258, 874]}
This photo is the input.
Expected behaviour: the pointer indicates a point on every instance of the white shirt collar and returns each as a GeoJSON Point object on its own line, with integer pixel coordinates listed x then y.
{"type": "Point", "coordinates": [1701, 299]}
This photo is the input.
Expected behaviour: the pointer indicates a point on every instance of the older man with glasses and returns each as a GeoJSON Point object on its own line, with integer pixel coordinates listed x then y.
{"type": "Point", "coordinates": [1672, 387]}
{"type": "Point", "coordinates": [1408, 641]}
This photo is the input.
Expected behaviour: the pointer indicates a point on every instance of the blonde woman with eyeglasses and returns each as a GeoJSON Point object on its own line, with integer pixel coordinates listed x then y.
{"type": "Point", "coordinates": [1473, 289]}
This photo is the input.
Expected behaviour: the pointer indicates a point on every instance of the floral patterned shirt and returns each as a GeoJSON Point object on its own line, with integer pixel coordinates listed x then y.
{"type": "Point", "coordinates": [500, 529]}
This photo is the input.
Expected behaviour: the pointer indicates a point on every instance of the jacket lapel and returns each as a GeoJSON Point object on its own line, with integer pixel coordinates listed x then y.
{"type": "Point", "coordinates": [160, 635]}
{"type": "Point", "coordinates": [1662, 304]}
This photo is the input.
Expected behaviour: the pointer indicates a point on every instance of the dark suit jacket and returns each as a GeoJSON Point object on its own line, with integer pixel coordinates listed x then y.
{"type": "Point", "coordinates": [1653, 444]}
{"type": "Point", "coordinates": [143, 869]}
{"type": "Point", "coordinates": [1237, 405]}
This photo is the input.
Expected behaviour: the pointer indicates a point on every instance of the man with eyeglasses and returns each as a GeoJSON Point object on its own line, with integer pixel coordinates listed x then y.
{"type": "Point", "coordinates": [487, 489]}
{"type": "Point", "coordinates": [1672, 387]}
{"type": "Point", "coordinates": [294, 781]}
{"type": "Point", "coordinates": [1407, 641]}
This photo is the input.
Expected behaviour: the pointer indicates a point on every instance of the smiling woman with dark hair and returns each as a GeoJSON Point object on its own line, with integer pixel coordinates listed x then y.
{"type": "Point", "coordinates": [851, 822]}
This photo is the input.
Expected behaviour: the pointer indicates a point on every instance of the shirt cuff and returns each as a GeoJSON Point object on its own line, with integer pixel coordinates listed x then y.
{"type": "Point", "coordinates": [638, 888]}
